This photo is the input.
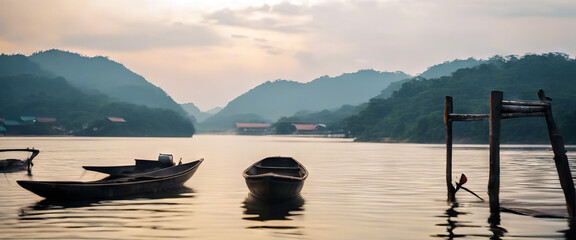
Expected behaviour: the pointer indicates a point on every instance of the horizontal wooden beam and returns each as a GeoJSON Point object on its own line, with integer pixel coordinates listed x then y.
{"type": "Point", "coordinates": [519, 115]}
{"type": "Point", "coordinates": [526, 103]}
{"type": "Point", "coordinates": [478, 117]}
{"type": "Point", "coordinates": [468, 117]}
{"type": "Point", "coordinates": [523, 109]}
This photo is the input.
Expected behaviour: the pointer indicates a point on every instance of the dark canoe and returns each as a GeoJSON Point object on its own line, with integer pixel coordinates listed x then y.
{"type": "Point", "coordinates": [14, 165]}
{"type": "Point", "coordinates": [141, 166]}
{"type": "Point", "coordinates": [275, 178]}
{"type": "Point", "coordinates": [115, 187]}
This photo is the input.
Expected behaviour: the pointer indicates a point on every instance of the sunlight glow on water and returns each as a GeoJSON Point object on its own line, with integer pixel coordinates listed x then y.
{"type": "Point", "coordinates": [354, 191]}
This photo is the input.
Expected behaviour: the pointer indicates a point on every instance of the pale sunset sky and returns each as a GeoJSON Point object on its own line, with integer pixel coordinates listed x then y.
{"type": "Point", "coordinates": [209, 52]}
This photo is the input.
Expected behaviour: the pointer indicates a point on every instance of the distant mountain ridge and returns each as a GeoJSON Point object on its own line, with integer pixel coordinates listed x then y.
{"type": "Point", "coordinates": [272, 100]}
{"type": "Point", "coordinates": [195, 112]}
{"type": "Point", "coordinates": [11, 65]}
{"type": "Point", "coordinates": [444, 69]}
{"type": "Point", "coordinates": [102, 75]}
{"type": "Point", "coordinates": [415, 112]}
{"type": "Point", "coordinates": [28, 90]}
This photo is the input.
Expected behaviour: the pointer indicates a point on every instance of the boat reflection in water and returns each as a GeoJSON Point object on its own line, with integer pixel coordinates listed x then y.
{"type": "Point", "coordinates": [259, 210]}
{"type": "Point", "coordinates": [109, 208]}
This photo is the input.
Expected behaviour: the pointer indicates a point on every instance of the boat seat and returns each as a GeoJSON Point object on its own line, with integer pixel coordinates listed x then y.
{"type": "Point", "coordinates": [274, 167]}
{"type": "Point", "coordinates": [288, 171]}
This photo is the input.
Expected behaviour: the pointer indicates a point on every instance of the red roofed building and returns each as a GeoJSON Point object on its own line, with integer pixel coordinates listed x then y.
{"type": "Point", "coordinates": [45, 120]}
{"type": "Point", "coordinates": [116, 119]}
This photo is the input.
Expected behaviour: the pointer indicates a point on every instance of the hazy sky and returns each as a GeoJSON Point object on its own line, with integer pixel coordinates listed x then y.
{"type": "Point", "coordinates": [209, 52]}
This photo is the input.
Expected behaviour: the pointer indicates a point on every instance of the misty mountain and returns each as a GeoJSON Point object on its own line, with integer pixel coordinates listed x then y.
{"type": "Point", "coordinates": [101, 75]}
{"type": "Point", "coordinates": [11, 65]}
{"type": "Point", "coordinates": [439, 70]}
{"type": "Point", "coordinates": [214, 110]}
{"type": "Point", "coordinates": [415, 112]}
{"type": "Point", "coordinates": [272, 100]}
{"type": "Point", "coordinates": [447, 68]}
{"type": "Point", "coordinates": [195, 112]}
{"type": "Point", "coordinates": [81, 114]}
{"type": "Point", "coordinates": [29, 90]}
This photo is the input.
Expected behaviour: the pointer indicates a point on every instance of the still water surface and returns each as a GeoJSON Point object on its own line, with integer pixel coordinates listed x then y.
{"type": "Point", "coordinates": [354, 191]}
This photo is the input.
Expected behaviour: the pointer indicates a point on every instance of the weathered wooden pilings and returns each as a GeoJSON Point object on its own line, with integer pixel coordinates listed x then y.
{"type": "Point", "coordinates": [494, 176]}
{"type": "Point", "coordinates": [448, 109]}
{"type": "Point", "coordinates": [560, 158]}
{"type": "Point", "coordinates": [502, 109]}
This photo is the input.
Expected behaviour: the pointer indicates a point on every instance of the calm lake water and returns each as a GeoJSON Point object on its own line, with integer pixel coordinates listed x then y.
{"type": "Point", "coordinates": [354, 191]}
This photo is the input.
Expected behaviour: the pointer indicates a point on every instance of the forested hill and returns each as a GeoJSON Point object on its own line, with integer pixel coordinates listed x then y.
{"type": "Point", "coordinates": [101, 75]}
{"type": "Point", "coordinates": [449, 67]}
{"type": "Point", "coordinates": [20, 64]}
{"type": "Point", "coordinates": [272, 100]}
{"type": "Point", "coordinates": [415, 112]}
{"type": "Point", "coordinates": [439, 70]}
{"type": "Point", "coordinates": [194, 112]}
{"type": "Point", "coordinates": [30, 91]}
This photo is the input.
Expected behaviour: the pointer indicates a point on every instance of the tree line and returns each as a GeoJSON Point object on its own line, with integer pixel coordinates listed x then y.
{"type": "Point", "coordinates": [79, 113]}
{"type": "Point", "coordinates": [414, 113]}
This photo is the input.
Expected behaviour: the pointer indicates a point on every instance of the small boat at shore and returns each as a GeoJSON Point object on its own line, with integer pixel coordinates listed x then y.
{"type": "Point", "coordinates": [15, 165]}
{"type": "Point", "coordinates": [115, 186]}
{"type": "Point", "coordinates": [275, 178]}
{"type": "Point", "coordinates": [140, 166]}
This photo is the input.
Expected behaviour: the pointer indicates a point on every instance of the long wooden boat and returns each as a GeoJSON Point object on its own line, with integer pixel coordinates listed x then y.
{"type": "Point", "coordinates": [275, 178]}
{"type": "Point", "coordinates": [14, 165]}
{"type": "Point", "coordinates": [115, 186]}
{"type": "Point", "coordinates": [140, 166]}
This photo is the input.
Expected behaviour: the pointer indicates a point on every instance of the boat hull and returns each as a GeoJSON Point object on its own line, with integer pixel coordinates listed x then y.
{"type": "Point", "coordinates": [275, 178]}
{"type": "Point", "coordinates": [274, 188]}
{"type": "Point", "coordinates": [110, 188]}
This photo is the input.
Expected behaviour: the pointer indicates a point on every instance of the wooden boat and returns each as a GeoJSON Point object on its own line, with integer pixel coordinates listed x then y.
{"type": "Point", "coordinates": [140, 166]}
{"type": "Point", "coordinates": [14, 165]}
{"type": "Point", "coordinates": [275, 178]}
{"type": "Point", "coordinates": [113, 187]}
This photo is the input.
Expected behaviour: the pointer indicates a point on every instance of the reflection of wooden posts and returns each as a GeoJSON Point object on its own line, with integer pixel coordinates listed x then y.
{"type": "Point", "coordinates": [494, 176]}
{"type": "Point", "coordinates": [502, 109]}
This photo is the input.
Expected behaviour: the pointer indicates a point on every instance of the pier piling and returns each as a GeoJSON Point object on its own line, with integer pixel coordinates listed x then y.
{"type": "Point", "coordinates": [503, 109]}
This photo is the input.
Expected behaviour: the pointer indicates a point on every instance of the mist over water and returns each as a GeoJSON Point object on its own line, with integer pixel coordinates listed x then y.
{"type": "Point", "coordinates": [354, 191]}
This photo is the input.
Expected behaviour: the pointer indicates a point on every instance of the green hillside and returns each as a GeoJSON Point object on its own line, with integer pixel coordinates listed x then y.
{"type": "Point", "coordinates": [439, 70]}
{"type": "Point", "coordinates": [33, 92]}
{"type": "Point", "coordinates": [101, 75]}
{"type": "Point", "coordinates": [447, 68]}
{"type": "Point", "coordinates": [281, 98]}
{"type": "Point", "coordinates": [415, 112]}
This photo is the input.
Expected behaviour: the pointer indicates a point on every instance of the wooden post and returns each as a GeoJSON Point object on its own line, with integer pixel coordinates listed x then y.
{"type": "Point", "coordinates": [494, 177]}
{"type": "Point", "coordinates": [560, 158]}
{"type": "Point", "coordinates": [448, 109]}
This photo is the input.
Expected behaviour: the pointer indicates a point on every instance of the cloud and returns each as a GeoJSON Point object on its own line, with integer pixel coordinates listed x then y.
{"type": "Point", "coordinates": [283, 19]}
{"type": "Point", "coordinates": [287, 8]}
{"type": "Point", "coordinates": [228, 47]}
{"type": "Point", "coordinates": [408, 35]}
{"type": "Point", "coordinates": [526, 8]}
{"type": "Point", "coordinates": [143, 35]}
